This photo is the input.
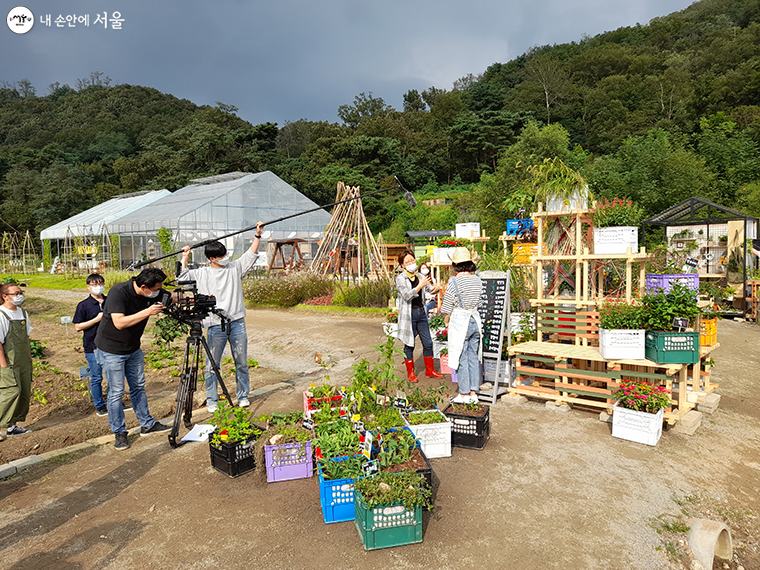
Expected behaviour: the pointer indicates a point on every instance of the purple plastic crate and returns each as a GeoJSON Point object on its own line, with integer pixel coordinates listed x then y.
{"type": "Point", "coordinates": [289, 461]}
{"type": "Point", "coordinates": [656, 281]}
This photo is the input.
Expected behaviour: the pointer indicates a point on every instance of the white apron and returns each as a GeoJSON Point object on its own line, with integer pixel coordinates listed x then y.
{"type": "Point", "coordinates": [459, 322]}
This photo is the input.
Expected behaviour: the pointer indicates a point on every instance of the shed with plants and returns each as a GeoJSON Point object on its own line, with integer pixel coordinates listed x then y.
{"type": "Point", "coordinates": [713, 238]}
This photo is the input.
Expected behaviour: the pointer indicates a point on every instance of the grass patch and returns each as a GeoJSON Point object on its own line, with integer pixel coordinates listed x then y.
{"type": "Point", "coordinates": [332, 309]}
{"type": "Point", "coordinates": [50, 281]}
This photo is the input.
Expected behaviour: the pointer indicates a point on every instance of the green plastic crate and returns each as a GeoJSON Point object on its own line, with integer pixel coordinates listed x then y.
{"type": "Point", "coordinates": [672, 347]}
{"type": "Point", "coordinates": [386, 526]}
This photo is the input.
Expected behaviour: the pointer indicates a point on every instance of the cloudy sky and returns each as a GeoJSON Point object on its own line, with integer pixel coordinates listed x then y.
{"type": "Point", "coordinates": [279, 60]}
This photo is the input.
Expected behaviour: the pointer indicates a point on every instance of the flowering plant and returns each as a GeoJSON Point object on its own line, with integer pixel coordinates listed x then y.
{"type": "Point", "coordinates": [391, 316]}
{"type": "Point", "coordinates": [616, 212]}
{"type": "Point", "coordinates": [442, 335]}
{"type": "Point", "coordinates": [452, 242]}
{"type": "Point", "coordinates": [641, 396]}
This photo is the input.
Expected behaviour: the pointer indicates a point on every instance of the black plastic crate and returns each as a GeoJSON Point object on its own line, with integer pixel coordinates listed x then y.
{"type": "Point", "coordinates": [233, 459]}
{"type": "Point", "coordinates": [469, 431]}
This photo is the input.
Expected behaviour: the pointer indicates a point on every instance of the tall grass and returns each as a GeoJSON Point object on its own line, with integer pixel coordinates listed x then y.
{"type": "Point", "coordinates": [364, 294]}
{"type": "Point", "coordinates": [286, 290]}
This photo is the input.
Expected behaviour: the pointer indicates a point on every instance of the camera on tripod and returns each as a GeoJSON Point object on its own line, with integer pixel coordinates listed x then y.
{"type": "Point", "coordinates": [190, 307]}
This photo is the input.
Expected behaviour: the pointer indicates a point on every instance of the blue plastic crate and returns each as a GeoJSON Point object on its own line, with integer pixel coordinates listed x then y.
{"type": "Point", "coordinates": [336, 497]}
{"type": "Point", "coordinates": [514, 227]}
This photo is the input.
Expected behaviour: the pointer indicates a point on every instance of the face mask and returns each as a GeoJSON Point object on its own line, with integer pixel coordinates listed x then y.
{"type": "Point", "coordinates": [411, 268]}
{"type": "Point", "coordinates": [424, 271]}
{"type": "Point", "coordinates": [223, 261]}
{"type": "Point", "coordinates": [18, 299]}
{"type": "Point", "coordinates": [153, 294]}
{"type": "Point", "coordinates": [98, 289]}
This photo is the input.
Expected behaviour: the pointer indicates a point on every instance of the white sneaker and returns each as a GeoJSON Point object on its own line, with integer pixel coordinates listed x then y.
{"type": "Point", "coordinates": [243, 403]}
{"type": "Point", "coordinates": [472, 399]}
{"type": "Point", "coordinates": [461, 399]}
{"type": "Point", "coordinates": [211, 408]}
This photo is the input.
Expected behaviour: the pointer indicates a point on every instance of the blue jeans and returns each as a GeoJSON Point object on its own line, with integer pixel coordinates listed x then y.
{"type": "Point", "coordinates": [217, 340]}
{"type": "Point", "coordinates": [468, 373]}
{"type": "Point", "coordinates": [117, 367]}
{"type": "Point", "coordinates": [96, 380]}
{"type": "Point", "coordinates": [420, 327]}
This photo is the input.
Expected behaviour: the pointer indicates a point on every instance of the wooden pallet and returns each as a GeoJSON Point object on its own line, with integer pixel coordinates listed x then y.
{"type": "Point", "coordinates": [579, 375]}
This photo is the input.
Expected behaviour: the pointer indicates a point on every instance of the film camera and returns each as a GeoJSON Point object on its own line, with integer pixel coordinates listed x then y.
{"type": "Point", "coordinates": [190, 307]}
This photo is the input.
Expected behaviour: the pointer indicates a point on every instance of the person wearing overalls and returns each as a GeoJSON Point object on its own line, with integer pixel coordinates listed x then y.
{"type": "Point", "coordinates": [15, 361]}
{"type": "Point", "coordinates": [460, 310]}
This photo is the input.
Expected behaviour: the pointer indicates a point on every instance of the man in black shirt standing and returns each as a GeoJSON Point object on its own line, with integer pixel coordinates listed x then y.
{"type": "Point", "coordinates": [125, 314]}
{"type": "Point", "coordinates": [86, 320]}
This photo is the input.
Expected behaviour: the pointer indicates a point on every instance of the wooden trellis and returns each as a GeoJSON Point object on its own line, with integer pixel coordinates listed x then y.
{"type": "Point", "coordinates": [349, 248]}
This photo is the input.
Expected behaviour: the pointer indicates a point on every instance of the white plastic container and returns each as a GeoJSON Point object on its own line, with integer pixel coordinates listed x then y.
{"type": "Point", "coordinates": [435, 439]}
{"type": "Point", "coordinates": [616, 240]}
{"type": "Point", "coordinates": [622, 344]}
{"type": "Point", "coordinates": [639, 427]}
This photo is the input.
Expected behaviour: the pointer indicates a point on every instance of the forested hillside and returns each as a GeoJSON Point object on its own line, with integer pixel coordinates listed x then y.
{"type": "Point", "coordinates": [657, 112]}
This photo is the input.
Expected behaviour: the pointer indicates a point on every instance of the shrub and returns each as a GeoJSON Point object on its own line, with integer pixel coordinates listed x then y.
{"type": "Point", "coordinates": [621, 315]}
{"type": "Point", "coordinates": [364, 294]}
{"type": "Point", "coordinates": [286, 290]}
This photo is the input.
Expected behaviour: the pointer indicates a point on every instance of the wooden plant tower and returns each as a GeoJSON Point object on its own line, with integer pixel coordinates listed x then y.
{"type": "Point", "coordinates": [348, 247]}
{"type": "Point", "coordinates": [563, 364]}
{"type": "Point", "coordinates": [11, 251]}
{"type": "Point", "coordinates": [28, 254]}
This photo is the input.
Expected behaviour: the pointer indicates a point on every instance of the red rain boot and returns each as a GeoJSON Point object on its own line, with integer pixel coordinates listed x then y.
{"type": "Point", "coordinates": [410, 370]}
{"type": "Point", "coordinates": [429, 370]}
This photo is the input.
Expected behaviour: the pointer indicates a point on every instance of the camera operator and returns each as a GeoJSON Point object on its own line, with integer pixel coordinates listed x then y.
{"type": "Point", "coordinates": [222, 278]}
{"type": "Point", "coordinates": [126, 312]}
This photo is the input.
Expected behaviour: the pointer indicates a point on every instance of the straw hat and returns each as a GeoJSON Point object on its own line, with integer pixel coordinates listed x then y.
{"type": "Point", "coordinates": [462, 254]}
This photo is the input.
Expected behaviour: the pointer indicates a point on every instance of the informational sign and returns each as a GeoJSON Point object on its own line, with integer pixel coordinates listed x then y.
{"type": "Point", "coordinates": [308, 424]}
{"type": "Point", "coordinates": [65, 320]}
{"type": "Point", "coordinates": [680, 322]}
{"type": "Point", "coordinates": [493, 313]}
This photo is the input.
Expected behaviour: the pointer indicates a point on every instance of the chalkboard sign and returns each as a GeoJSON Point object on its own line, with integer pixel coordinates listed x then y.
{"type": "Point", "coordinates": [691, 262]}
{"type": "Point", "coordinates": [681, 323]}
{"type": "Point", "coordinates": [493, 312]}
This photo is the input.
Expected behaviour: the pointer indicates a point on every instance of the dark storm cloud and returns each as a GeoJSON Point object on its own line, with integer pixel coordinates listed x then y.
{"type": "Point", "coordinates": [294, 59]}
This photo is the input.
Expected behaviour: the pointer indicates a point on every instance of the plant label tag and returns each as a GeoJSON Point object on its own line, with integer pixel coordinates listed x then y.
{"type": "Point", "coordinates": [680, 322]}
{"type": "Point", "coordinates": [354, 408]}
{"type": "Point", "coordinates": [399, 403]}
{"type": "Point", "coordinates": [408, 410]}
{"type": "Point", "coordinates": [691, 262]}
{"type": "Point", "coordinates": [358, 426]}
{"type": "Point", "coordinates": [381, 400]}
{"type": "Point", "coordinates": [367, 444]}
{"type": "Point", "coordinates": [342, 393]}
{"type": "Point", "coordinates": [308, 424]}
{"type": "Point", "coordinates": [65, 320]}
{"type": "Point", "coordinates": [370, 467]}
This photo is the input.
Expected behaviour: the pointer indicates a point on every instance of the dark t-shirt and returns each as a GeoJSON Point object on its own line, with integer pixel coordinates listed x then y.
{"type": "Point", "coordinates": [417, 301]}
{"type": "Point", "coordinates": [122, 299]}
{"type": "Point", "coordinates": [86, 311]}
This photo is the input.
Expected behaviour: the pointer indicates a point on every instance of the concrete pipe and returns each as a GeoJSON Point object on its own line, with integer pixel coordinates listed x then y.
{"type": "Point", "coordinates": [708, 539]}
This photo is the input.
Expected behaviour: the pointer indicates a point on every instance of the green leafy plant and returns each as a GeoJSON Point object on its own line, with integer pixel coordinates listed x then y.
{"type": "Point", "coordinates": [364, 294]}
{"type": "Point", "coordinates": [642, 396]}
{"type": "Point", "coordinates": [232, 425]}
{"type": "Point", "coordinates": [286, 290]}
{"type": "Point", "coordinates": [661, 308]}
{"type": "Point", "coordinates": [621, 315]}
{"type": "Point", "coordinates": [425, 398]}
{"type": "Point", "coordinates": [348, 468]}
{"type": "Point", "coordinates": [167, 330]}
{"type": "Point", "coordinates": [616, 212]}
{"type": "Point", "coordinates": [428, 417]}
{"type": "Point", "coordinates": [437, 321]}
{"type": "Point", "coordinates": [396, 448]}
{"type": "Point", "coordinates": [38, 348]}
{"type": "Point", "coordinates": [553, 178]}
{"type": "Point", "coordinates": [407, 488]}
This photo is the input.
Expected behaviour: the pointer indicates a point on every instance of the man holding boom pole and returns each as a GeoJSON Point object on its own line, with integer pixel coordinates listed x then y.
{"type": "Point", "coordinates": [222, 278]}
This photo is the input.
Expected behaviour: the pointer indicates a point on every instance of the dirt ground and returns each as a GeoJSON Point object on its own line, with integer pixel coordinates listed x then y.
{"type": "Point", "coordinates": [550, 490]}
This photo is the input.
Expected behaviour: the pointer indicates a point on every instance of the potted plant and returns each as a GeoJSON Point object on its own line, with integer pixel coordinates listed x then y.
{"type": "Point", "coordinates": [559, 186]}
{"type": "Point", "coordinates": [433, 429]}
{"type": "Point", "coordinates": [443, 246]}
{"type": "Point", "coordinates": [666, 316]}
{"type": "Point", "coordinates": [388, 509]}
{"type": "Point", "coordinates": [638, 412]}
{"type": "Point", "coordinates": [621, 331]}
{"type": "Point", "coordinates": [616, 226]}
{"type": "Point", "coordinates": [400, 451]}
{"type": "Point", "coordinates": [231, 443]}
{"type": "Point", "coordinates": [440, 341]}
{"type": "Point", "coordinates": [286, 450]}
{"type": "Point", "coordinates": [722, 241]}
{"type": "Point", "coordinates": [444, 356]}
{"type": "Point", "coordinates": [470, 424]}
{"type": "Point", "coordinates": [390, 326]}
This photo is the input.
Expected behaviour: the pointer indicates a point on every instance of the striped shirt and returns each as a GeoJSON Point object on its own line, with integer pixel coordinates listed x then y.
{"type": "Point", "coordinates": [469, 289]}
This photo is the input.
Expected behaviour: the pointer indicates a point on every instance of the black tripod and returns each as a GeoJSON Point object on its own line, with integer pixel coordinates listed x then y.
{"type": "Point", "coordinates": [188, 378]}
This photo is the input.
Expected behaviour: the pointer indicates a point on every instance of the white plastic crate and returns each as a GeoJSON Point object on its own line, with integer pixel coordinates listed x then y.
{"type": "Point", "coordinates": [636, 426]}
{"type": "Point", "coordinates": [620, 344]}
{"type": "Point", "coordinates": [616, 240]}
{"type": "Point", "coordinates": [435, 439]}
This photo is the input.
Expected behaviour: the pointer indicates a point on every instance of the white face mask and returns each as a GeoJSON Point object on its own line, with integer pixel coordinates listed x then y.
{"type": "Point", "coordinates": [18, 299]}
{"type": "Point", "coordinates": [98, 289]}
{"type": "Point", "coordinates": [411, 268]}
{"type": "Point", "coordinates": [153, 294]}
{"type": "Point", "coordinates": [224, 260]}
{"type": "Point", "coordinates": [424, 271]}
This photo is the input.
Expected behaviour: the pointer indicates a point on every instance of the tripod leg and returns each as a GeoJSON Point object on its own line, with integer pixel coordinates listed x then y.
{"type": "Point", "coordinates": [192, 385]}
{"type": "Point", "coordinates": [183, 389]}
{"type": "Point", "coordinates": [210, 361]}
